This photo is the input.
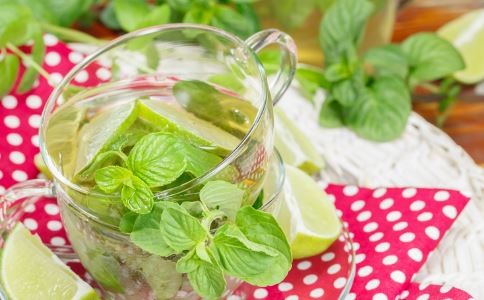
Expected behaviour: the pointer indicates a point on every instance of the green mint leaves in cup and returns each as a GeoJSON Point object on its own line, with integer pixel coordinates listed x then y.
{"type": "Point", "coordinates": [133, 154]}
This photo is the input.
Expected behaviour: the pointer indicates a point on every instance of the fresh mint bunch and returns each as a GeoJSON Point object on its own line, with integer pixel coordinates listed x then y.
{"type": "Point", "coordinates": [372, 94]}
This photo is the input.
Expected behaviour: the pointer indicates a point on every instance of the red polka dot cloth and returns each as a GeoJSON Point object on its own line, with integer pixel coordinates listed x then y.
{"type": "Point", "coordinates": [394, 230]}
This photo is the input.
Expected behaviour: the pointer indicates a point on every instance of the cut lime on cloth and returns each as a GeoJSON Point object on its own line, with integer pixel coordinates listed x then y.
{"type": "Point", "coordinates": [466, 33]}
{"type": "Point", "coordinates": [306, 215]}
{"type": "Point", "coordinates": [294, 146]}
{"type": "Point", "coordinates": [29, 270]}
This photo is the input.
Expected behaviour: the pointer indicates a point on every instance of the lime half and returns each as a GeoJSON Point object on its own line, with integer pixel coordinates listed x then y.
{"type": "Point", "coordinates": [466, 33]}
{"type": "Point", "coordinates": [307, 217]}
{"type": "Point", "coordinates": [101, 131]}
{"type": "Point", "coordinates": [198, 131]}
{"type": "Point", "coordinates": [30, 271]}
{"type": "Point", "coordinates": [294, 146]}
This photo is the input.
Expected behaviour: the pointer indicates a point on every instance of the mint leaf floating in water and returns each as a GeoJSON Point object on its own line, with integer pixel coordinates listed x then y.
{"type": "Point", "coordinates": [110, 179]}
{"type": "Point", "coordinates": [199, 161]}
{"type": "Point", "coordinates": [137, 197]}
{"type": "Point", "coordinates": [157, 159]}
{"type": "Point", "coordinates": [222, 195]}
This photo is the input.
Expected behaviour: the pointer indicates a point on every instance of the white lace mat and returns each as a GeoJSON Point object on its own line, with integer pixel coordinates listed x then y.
{"type": "Point", "coordinates": [423, 157]}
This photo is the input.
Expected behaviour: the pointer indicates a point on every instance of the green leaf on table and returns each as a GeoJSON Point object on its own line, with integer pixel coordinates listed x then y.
{"type": "Point", "coordinates": [181, 230]}
{"type": "Point", "coordinates": [261, 228]}
{"type": "Point", "coordinates": [9, 66]}
{"type": "Point", "coordinates": [68, 11]}
{"type": "Point", "coordinates": [126, 224]}
{"type": "Point", "coordinates": [131, 13]}
{"type": "Point", "coordinates": [387, 60]}
{"type": "Point", "coordinates": [342, 27]}
{"type": "Point", "coordinates": [199, 162]}
{"type": "Point", "coordinates": [158, 15]}
{"type": "Point", "coordinates": [17, 25]}
{"type": "Point", "coordinates": [310, 81]}
{"type": "Point", "coordinates": [381, 112]}
{"type": "Point", "coordinates": [232, 21]}
{"type": "Point", "coordinates": [147, 235]}
{"type": "Point", "coordinates": [331, 113]}
{"type": "Point", "coordinates": [157, 159]}
{"type": "Point", "coordinates": [248, 12]}
{"type": "Point", "coordinates": [180, 5]}
{"type": "Point", "coordinates": [206, 278]}
{"type": "Point", "coordinates": [108, 17]}
{"type": "Point", "coordinates": [137, 197]}
{"type": "Point", "coordinates": [31, 74]}
{"type": "Point", "coordinates": [292, 13]}
{"type": "Point", "coordinates": [430, 57]}
{"type": "Point", "coordinates": [222, 195]}
{"type": "Point", "coordinates": [198, 15]}
{"type": "Point", "coordinates": [112, 178]}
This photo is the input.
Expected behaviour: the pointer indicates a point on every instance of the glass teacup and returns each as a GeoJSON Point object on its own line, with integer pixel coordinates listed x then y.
{"type": "Point", "coordinates": [154, 64]}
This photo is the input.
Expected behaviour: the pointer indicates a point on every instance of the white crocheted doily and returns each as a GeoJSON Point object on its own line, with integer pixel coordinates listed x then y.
{"type": "Point", "coordinates": [423, 157]}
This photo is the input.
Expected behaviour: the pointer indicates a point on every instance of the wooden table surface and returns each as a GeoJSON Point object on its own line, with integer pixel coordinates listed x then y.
{"type": "Point", "coordinates": [465, 123]}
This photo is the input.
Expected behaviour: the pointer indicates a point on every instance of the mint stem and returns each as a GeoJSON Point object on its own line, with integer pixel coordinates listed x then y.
{"type": "Point", "coordinates": [71, 35]}
{"type": "Point", "coordinates": [27, 59]}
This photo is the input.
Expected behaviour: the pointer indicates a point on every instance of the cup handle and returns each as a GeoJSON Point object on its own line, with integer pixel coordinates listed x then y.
{"type": "Point", "coordinates": [17, 198]}
{"type": "Point", "coordinates": [288, 61]}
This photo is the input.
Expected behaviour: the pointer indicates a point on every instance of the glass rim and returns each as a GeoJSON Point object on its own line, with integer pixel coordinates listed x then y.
{"type": "Point", "coordinates": [57, 92]}
{"type": "Point", "coordinates": [275, 161]}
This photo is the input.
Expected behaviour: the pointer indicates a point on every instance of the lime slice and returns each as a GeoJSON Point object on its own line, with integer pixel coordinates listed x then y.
{"type": "Point", "coordinates": [466, 33]}
{"type": "Point", "coordinates": [306, 215]}
{"type": "Point", "coordinates": [30, 271]}
{"type": "Point", "coordinates": [97, 135]}
{"type": "Point", "coordinates": [294, 146]}
{"type": "Point", "coordinates": [41, 166]}
{"type": "Point", "coordinates": [61, 136]}
{"type": "Point", "coordinates": [187, 125]}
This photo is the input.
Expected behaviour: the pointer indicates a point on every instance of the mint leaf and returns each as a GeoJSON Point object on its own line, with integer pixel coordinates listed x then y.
{"type": "Point", "coordinates": [31, 73]}
{"type": "Point", "coordinates": [157, 159]}
{"type": "Point", "coordinates": [230, 20]}
{"type": "Point", "coordinates": [8, 68]}
{"type": "Point", "coordinates": [147, 235]}
{"type": "Point", "coordinates": [105, 270]}
{"type": "Point", "coordinates": [137, 197]}
{"type": "Point", "coordinates": [112, 178]}
{"type": "Point", "coordinates": [259, 201]}
{"type": "Point", "coordinates": [207, 279]}
{"type": "Point", "coordinates": [387, 60]}
{"type": "Point", "coordinates": [240, 257]}
{"type": "Point", "coordinates": [310, 81]}
{"type": "Point", "coordinates": [200, 162]}
{"type": "Point", "coordinates": [130, 13]}
{"type": "Point", "coordinates": [222, 195]}
{"type": "Point", "coordinates": [261, 228]}
{"type": "Point", "coordinates": [157, 15]}
{"type": "Point", "coordinates": [229, 81]}
{"type": "Point", "coordinates": [126, 224]}
{"type": "Point", "coordinates": [194, 208]}
{"type": "Point", "coordinates": [430, 57]}
{"type": "Point", "coordinates": [331, 113]}
{"type": "Point", "coordinates": [381, 112]}
{"type": "Point", "coordinates": [181, 230]}
{"type": "Point", "coordinates": [342, 27]}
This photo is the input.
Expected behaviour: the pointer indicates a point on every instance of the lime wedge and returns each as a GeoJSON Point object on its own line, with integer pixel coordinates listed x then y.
{"type": "Point", "coordinates": [61, 136]}
{"type": "Point", "coordinates": [198, 131]}
{"type": "Point", "coordinates": [294, 146]}
{"type": "Point", "coordinates": [97, 135]}
{"type": "Point", "coordinates": [30, 271]}
{"type": "Point", "coordinates": [466, 33]}
{"type": "Point", "coordinates": [306, 215]}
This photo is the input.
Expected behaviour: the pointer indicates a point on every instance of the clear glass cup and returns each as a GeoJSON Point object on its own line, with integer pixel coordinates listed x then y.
{"type": "Point", "coordinates": [148, 63]}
